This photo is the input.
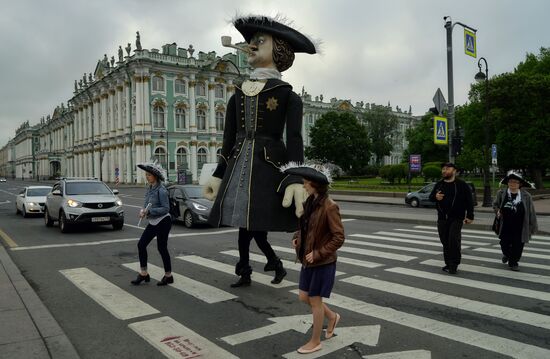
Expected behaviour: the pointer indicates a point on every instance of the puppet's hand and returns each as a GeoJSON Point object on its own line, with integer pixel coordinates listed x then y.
{"type": "Point", "coordinates": [297, 192]}
{"type": "Point", "coordinates": [211, 188]}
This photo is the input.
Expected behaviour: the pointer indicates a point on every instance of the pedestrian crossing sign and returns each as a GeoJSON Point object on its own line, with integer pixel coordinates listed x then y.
{"type": "Point", "coordinates": [440, 131]}
{"type": "Point", "coordinates": [470, 43]}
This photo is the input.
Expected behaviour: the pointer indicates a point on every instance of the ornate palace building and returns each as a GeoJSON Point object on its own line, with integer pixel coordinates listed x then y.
{"type": "Point", "coordinates": [163, 104]}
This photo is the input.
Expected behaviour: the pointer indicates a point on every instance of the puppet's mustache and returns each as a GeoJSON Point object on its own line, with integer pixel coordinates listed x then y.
{"type": "Point", "coordinates": [226, 41]}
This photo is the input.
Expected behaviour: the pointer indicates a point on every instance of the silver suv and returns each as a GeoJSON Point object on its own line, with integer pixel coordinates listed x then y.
{"type": "Point", "coordinates": [75, 201]}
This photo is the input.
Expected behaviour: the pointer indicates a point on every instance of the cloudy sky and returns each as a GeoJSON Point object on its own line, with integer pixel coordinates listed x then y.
{"type": "Point", "coordinates": [373, 50]}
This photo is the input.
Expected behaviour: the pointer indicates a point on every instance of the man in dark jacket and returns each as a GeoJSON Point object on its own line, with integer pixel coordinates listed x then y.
{"type": "Point", "coordinates": [249, 189]}
{"type": "Point", "coordinates": [454, 203]}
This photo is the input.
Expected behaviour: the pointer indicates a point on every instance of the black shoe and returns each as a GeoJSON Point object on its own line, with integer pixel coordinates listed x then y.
{"type": "Point", "coordinates": [280, 273]}
{"type": "Point", "coordinates": [166, 280]}
{"type": "Point", "coordinates": [445, 269]}
{"type": "Point", "coordinates": [244, 281]}
{"type": "Point", "coordinates": [515, 268]}
{"type": "Point", "coordinates": [452, 270]}
{"type": "Point", "coordinates": [141, 278]}
{"type": "Point", "coordinates": [504, 259]}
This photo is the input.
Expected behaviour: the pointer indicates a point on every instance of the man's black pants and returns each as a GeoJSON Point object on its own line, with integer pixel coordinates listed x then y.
{"type": "Point", "coordinates": [450, 236]}
{"type": "Point", "coordinates": [245, 237]}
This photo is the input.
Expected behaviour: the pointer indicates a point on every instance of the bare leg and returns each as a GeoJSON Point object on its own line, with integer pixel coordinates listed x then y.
{"type": "Point", "coordinates": [318, 311]}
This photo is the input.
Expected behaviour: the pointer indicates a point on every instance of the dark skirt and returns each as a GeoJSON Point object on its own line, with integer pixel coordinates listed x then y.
{"type": "Point", "coordinates": [318, 281]}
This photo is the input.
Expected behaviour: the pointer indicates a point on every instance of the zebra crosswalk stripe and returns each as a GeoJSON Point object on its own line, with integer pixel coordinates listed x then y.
{"type": "Point", "coordinates": [497, 260]}
{"type": "Point", "coordinates": [389, 246]}
{"type": "Point", "coordinates": [474, 306]}
{"type": "Point", "coordinates": [341, 259]}
{"type": "Point", "coordinates": [199, 290]}
{"type": "Point", "coordinates": [525, 254]}
{"type": "Point", "coordinates": [229, 269]}
{"type": "Point", "coordinates": [118, 302]}
{"type": "Point", "coordinates": [499, 288]}
{"type": "Point", "coordinates": [504, 273]}
{"type": "Point", "coordinates": [435, 237]}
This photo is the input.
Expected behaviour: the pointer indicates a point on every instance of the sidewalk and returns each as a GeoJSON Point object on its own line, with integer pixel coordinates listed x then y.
{"type": "Point", "coordinates": [28, 330]}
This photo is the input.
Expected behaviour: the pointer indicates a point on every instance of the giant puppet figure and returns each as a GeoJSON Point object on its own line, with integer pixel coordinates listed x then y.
{"type": "Point", "coordinates": [249, 189]}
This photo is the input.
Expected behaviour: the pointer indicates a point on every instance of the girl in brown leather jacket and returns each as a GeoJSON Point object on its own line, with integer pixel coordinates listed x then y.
{"type": "Point", "coordinates": [321, 233]}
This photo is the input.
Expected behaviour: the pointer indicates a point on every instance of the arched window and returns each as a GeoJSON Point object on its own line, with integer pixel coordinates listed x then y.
{"type": "Point", "coordinates": [202, 157]}
{"type": "Point", "coordinates": [200, 89]}
{"type": "Point", "coordinates": [160, 156]}
{"type": "Point", "coordinates": [219, 121]}
{"type": "Point", "coordinates": [181, 159]}
{"type": "Point", "coordinates": [158, 116]}
{"type": "Point", "coordinates": [179, 86]}
{"type": "Point", "coordinates": [201, 120]}
{"type": "Point", "coordinates": [219, 91]}
{"type": "Point", "coordinates": [180, 118]}
{"type": "Point", "coordinates": [218, 154]}
{"type": "Point", "coordinates": [158, 83]}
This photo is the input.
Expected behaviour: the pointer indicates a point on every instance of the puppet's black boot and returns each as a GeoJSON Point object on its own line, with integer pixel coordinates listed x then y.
{"type": "Point", "coordinates": [271, 264]}
{"type": "Point", "coordinates": [244, 271]}
{"type": "Point", "coordinates": [280, 272]}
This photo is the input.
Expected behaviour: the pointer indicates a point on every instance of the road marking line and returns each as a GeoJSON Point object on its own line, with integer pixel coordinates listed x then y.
{"type": "Point", "coordinates": [9, 242]}
{"type": "Point", "coordinates": [409, 354]}
{"type": "Point", "coordinates": [48, 246]}
{"type": "Point", "coordinates": [131, 205]}
{"type": "Point", "coordinates": [367, 252]}
{"type": "Point", "coordinates": [174, 340]}
{"type": "Point", "coordinates": [388, 246]}
{"type": "Point", "coordinates": [489, 233]}
{"type": "Point", "coordinates": [494, 260]}
{"type": "Point", "coordinates": [505, 289]}
{"type": "Point", "coordinates": [525, 253]}
{"type": "Point", "coordinates": [474, 306]}
{"type": "Point", "coordinates": [352, 261]}
{"type": "Point", "coordinates": [431, 238]}
{"type": "Point", "coordinates": [229, 269]}
{"type": "Point", "coordinates": [118, 302]}
{"type": "Point", "coordinates": [295, 266]}
{"type": "Point", "coordinates": [437, 234]}
{"type": "Point", "coordinates": [504, 273]}
{"type": "Point", "coordinates": [493, 343]}
{"type": "Point", "coordinates": [199, 290]}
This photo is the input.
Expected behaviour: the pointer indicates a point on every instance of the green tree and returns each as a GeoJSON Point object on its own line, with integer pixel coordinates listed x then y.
{"type": "Point", "coordinates": [381, 126]}
{"type": "Point", "coordinates": [421, 141]}
{"type": "Point", "coordinates": [340, 139]}
{"type": "Point", "coordinates": [518, 118]}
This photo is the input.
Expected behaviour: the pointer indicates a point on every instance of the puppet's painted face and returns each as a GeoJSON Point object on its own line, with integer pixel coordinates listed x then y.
{"type": "Point", "coordinates": [261, 46]}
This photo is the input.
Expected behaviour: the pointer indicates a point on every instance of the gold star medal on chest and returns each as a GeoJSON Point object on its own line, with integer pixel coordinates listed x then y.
{"type": "Point", "coordinates": [252, 88]}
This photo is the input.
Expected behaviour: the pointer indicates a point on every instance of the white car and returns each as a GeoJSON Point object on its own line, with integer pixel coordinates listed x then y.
{"type": "Point", "coordinates": [31, 200]}
{"type": "Point", "coordinates": [3, 179]}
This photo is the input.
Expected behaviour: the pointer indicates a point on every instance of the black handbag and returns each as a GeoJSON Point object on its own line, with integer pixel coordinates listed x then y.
{"type": "Point", "coordinates": [496, 225]}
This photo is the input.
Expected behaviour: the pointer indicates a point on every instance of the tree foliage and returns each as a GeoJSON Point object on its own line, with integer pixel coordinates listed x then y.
{"type": "Point", "coordinates": [421, 141]}
{"type": "Point", "coordinates": [340, 139]}
{"type": "Point", "coordinates": [381, 126]}
{"type": "Point", "coordinates": [519, 120]}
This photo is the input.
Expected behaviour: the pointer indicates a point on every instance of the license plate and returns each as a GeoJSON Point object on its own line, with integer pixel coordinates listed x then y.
{"type": "Point", "coordinates": [100, 219]}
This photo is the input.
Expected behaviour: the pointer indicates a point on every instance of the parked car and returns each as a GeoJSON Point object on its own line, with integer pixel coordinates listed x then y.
{"type": "Point", "coordinates": [192, 207]}
{"type": "Point", "coordinates": [76, 201]}
{"type": "Point", "coordinates": [421, 197]}
{"type": "Point", "coordinates": [3, 179]}
{"type": "Point", "coordinates": [31, 200]}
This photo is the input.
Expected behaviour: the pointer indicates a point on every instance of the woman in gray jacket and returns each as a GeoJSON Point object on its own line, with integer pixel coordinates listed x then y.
{"type": "Point", "coordinates": [157, 210]}
{"type": "Point", "coordinates": [518, 218]}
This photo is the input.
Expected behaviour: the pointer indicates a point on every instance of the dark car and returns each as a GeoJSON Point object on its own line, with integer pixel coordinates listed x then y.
{"type": "Point", "coordinates": [422, 196]}
{"type": "Point", "coordinates": [192, 207]}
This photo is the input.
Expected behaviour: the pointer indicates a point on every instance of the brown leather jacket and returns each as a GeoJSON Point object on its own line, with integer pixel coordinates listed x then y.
{"type": "Point", "coordinates": [324, 236]}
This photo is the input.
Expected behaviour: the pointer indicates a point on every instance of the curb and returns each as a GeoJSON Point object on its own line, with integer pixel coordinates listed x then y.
{"type": "Point", "coordinates": [55, 340]}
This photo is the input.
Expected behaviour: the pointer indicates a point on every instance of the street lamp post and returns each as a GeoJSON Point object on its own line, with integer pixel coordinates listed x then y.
{"type": "Point", "coordinates": [479, 77]}
{"type": "Point", "coordinates": [167, 155]}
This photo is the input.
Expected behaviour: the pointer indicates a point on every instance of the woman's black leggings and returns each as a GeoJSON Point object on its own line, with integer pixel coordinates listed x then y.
{"type": "Point", "coordinates": [161, 231]}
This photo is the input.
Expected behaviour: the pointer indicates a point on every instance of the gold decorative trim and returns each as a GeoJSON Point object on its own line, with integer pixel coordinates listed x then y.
{"type": "Point", "coordinates": [230, 88]}
{"type": "Point", "coordinates": [211, 86]}
{"type": "Point", "coordinates": [202, 106]}
{"type": "Point", "coordinates": [202, 143]}
{"type": "Point", "coordinates": [112, 91]}
{"type": "Point", "coordinates": [104, 95]}
{"type": "Point", "coordinates": [182, 105]}
{"type": "Point", "coordinates": [137, 79]}
{"type": "Point", "coordinates": [182, 143]}
{"type": "Point", "coordinates": [160, 143]}
{"type": "Point", "coordinates": [120, 88]}
{"type": "Point", "coordinates": [220, 80]}
{"type": "Point", "coordinates": [193, 143]}
{"type": "Point", "coordinates": [146, 78]}
{"type": "Point", "coordinates": [157, 73]}
{"type": "Point", "coordinates": [192, 83]}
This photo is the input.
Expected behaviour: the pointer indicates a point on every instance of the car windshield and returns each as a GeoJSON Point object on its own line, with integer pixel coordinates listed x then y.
{"type": "Point", "coordinates": [194, 192]}
{"type": "Point", "coordinates": [38, 192]}
{"type": "Point", "coordinates": [75, 188]}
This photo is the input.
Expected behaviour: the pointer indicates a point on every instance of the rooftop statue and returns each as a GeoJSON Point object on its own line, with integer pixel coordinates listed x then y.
{"type": "Point", "coordinates": [138, 42]}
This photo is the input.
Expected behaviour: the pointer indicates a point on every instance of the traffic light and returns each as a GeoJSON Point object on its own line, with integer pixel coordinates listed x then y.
{"type": "Point", "coordinates": [457, 145]}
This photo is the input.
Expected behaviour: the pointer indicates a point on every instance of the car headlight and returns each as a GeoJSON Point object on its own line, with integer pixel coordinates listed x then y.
{"type": "Point", "coordinates": [199, 207]}
{"type": "Point", "coordinates": [74, 204]}
{"type": "Point", "coordinates": [118, 202]}
{"type": "Point", "coordinates": [32, 204]}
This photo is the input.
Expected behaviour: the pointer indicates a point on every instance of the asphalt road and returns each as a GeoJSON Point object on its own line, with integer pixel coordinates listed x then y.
{"type": "Point", "coordinates": [391, 294]}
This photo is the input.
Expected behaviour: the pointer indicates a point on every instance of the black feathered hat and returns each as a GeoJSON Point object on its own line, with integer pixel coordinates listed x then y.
{"type": "Point", "coordinates": [516, 176]}
{"type": "Point", "coordinates": [249, 25]}
{"type": "Point", "coordinates": [315, 173]}
{"type": "Point", "coordinates": [153, 168]}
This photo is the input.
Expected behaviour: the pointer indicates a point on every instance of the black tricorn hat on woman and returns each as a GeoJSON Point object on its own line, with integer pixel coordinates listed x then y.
{"type": "Point", "coordinates": [153, 168]}
{"type": "Point", "coordinates": [316, 173]}
{"type": "Point", "coordinates": [516, 176]}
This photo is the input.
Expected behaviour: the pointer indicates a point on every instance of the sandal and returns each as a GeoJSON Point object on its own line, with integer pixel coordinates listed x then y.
{"type": "Point", "coordinates": [330, 334]}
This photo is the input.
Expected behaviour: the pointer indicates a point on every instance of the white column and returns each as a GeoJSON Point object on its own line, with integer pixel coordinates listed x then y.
{"type": "Point", "coordinates": [128, 163]}
{"type": "Point", "coordinates": [192, 106]}
{"type": "Point", "coordinates": [193, 158]}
